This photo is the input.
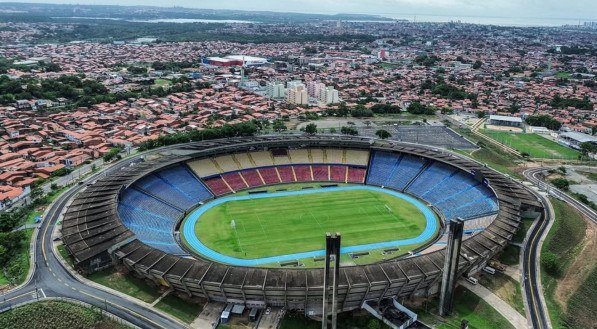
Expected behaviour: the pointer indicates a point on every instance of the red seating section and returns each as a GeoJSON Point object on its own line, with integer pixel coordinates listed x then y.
{"type": "Point", "coordinates": [235, 181]}
{"type": "Point", "coordinates": [270, 176]}
{"type": "Point", "coordinates": [252, 177]}
{"type": "Point", "coordinates": [356, 175]}
{"type": "Point", "coordinates": [240, 180]}
{"type": "Point", "coordinates": [303, 173]}
{"type": "Point", "coordinates": [338, 173]}
{"type": "Point", "coordinates": [217, 185]}
{"type": "Point", "coordinates": [320, 173]}
{"type": "Point", "coordinates": [286, 174]}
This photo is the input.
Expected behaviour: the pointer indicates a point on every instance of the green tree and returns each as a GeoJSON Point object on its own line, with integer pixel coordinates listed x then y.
{"type": "Point", "coordinates": [311, 129]}
{"type": "Point", "coordinates": [278, 125]}
{"type": "Point", "coordinates": [383, 134]}
{"type": "Point", "coordinates": [349, 131]}
{"type": "Point", "coordinates": [561, 183]}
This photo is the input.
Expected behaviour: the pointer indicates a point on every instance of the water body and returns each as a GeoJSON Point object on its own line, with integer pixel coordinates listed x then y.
{"type": "Point", "coordinates": [188, 229]}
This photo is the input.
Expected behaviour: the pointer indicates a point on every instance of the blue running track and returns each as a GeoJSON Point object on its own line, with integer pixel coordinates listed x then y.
{"type": "Point", "coordinates": [189, 227]}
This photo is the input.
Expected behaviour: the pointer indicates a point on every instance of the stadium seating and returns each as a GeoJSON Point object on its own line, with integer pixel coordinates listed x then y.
{"type": "Point", "coordinates": [151, 220]}
{"type": "Point", "coordinates": [243, 160]}
{"type": "Point", "coordinates": [456, 193]}
{"type": "Point", "coordinates": [204, 167]}
{"type": "Point", "coordinates": [252, 177]}
{"type": "Point", "coordinates": [286, 174]}
{"type": "Point", "coordinates": [226, 163]}
{"type": "Point", "coordinates": [320, 172]}
{"type": "Point", "coordinates": [181, 177]}
{"type": "Point", "coordinates": [303, 173]}
{"type": "Point", "coordinates": [317, 156]}
{"type": "Point", "coordinates": [356, 175]}
{"type": "Point", "coordinates": [334, 155]}
{"type": "Point", "coordinates": [406, 169]}
{"type": "Point", "coordinates": [357, 157]}
{"type": "Point", "coordinates": [381, 168]}
{"type": "Point", "coordinates": [217, 185]}
{"type": "Point", "coordinates": [262, 158]}
{"type": "Point", "coordinates": [270, 175]}
{"type": "Point", "coordinates": [235, 181]}
{"type": "Point", "coordinates": [338, 173]}
{"type": "Point", "coordinates": [430, 177]}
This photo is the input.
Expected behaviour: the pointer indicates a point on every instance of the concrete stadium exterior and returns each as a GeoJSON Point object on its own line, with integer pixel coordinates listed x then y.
{"type": "Point", "coordinates": [96, 237]}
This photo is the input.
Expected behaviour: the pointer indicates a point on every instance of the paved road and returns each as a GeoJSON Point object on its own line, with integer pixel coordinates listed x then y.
{"type": "Point", "coordinates": [51, 279]}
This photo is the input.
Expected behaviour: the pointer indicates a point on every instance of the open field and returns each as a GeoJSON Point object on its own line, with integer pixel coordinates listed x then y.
{"type": "Point", "coordinates": [56, 315]}
{"type": "Point", "coordinates": [467, 305]}
{"type": "Point", "coordinates": [126, 284]}
{"type": "Point", "coordinates": [536, 146]}
{"type": "Point", "coordinates": [296, 223]}
{"type": "Point", "coordinates": [506, 288]}
{"type": "Point", "coordinates": [565, 240]}
{"type": "Point", "coordinates": [184, 310]}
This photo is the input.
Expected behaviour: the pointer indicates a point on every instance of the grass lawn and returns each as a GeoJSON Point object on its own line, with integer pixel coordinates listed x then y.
{"type": "Point", "coordinates": [56, 315]}
{"type": "Point", "coordinates": [126, 283]}
{"type": "Point", "coordinates": [346, 320]}
{"type": "Point", "coordinates": [491, 155]}
{"type": "Point", "coordinates": [64, 253]}
{"type": "Point", "coordinates": [533, 144]}
{"type": "Point", "coordinates": [564, 239]}
{"type": "Point", "coordinates": [590, 175]}
{"type": "Point", "coordinates": [183, 310]}
{"type": "Point", "coordinates": [467, 306]}
{"type": "Point", "coordinates": [161, 83]}
{"type": "Point", "coordinates": [18, 266]}
{"type": "Point", "coordinates": [525, 225]}
{"type": "Point", "coordinates": [297, 223]}
{"type": "Point", "coordinates": [506, 288]}
{"type": "Point", "coordinates": [510, 255]}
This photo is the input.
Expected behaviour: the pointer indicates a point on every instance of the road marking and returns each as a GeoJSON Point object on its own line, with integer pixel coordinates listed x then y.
{"type": "Point", "coordinates": [42, 292]}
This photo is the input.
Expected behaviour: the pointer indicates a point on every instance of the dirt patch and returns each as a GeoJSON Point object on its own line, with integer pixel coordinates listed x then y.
{"type": "Point", "coordinates": [579, 270]}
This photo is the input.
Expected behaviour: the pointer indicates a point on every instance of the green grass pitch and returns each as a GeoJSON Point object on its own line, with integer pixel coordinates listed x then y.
{"type": "Point", "coordinates": [283, 225]}
{"type": "Point", "coordinates": [535, 145]}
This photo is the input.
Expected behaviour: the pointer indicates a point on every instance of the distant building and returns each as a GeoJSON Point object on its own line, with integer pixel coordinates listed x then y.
{"type": "Point", "coordinates": [504, 120]}
{"type": "Point", "coordinates": [382, 54]}
{"type": "Point", "coordinates": [329, 95]}
{"type": "Point", "coordinates": [275, 90]}
{"type": "Point", "coordinates": [314, 88]}
{"type": "Point", "coordinates": [297, 94]}
{"type": "Point", "coordinates": [574, 139]}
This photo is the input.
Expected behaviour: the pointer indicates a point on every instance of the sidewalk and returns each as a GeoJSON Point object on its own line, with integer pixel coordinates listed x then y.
{"type": "Point", "coordinates": [517, 320]}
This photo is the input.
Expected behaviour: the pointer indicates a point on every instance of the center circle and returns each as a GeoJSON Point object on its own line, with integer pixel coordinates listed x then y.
{"type": "Point", "coordinates": [271, 228]}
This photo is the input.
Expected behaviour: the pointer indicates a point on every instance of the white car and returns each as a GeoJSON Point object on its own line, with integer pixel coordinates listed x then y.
{"type": "Point", "coordinates": [268, 311]}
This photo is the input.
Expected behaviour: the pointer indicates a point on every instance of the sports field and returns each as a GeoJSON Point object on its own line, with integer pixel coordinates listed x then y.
{"type": "Point", "coordinates": [271, 226]}
{"type": "Point", "coordinates": [533, 144]}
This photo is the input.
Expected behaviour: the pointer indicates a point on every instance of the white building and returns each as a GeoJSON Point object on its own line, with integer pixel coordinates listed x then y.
{"type": "Point", "coordinates": [329, 95]}
{"type": "Point", "coordinates": [275, 90]}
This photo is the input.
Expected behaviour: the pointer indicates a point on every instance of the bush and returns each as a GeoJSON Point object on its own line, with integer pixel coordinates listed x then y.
{"type": "Point", "coordinates": [561, 183]}
{"type": "Point", "coordinates": [551, 264]}
{"type": "Point", "coordinates": [349, 131]}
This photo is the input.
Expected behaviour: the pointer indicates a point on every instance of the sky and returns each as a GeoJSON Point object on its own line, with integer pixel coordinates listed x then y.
{"type": "Point", "coordinates": [570, 9]}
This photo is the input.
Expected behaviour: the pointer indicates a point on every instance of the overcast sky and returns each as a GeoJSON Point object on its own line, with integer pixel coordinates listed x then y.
{"type": "Point", "coordinates": [575, 9]}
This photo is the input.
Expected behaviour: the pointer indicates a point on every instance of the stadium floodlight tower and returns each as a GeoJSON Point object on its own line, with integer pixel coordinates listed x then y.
{"type": "Point", "coordinates": [446, 299]}
{"type": "Point", "coordinates": [332, 254]}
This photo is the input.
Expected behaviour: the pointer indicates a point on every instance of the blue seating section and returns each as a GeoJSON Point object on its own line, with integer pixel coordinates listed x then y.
{"type": "Point", "coordinates": [175, 185]}
{"type": "Point", "coordinates": [153, 206]}
{"type": "Point", "coordinates": [381, 167]}
{"type": "Point", "coordinates": [151, 220]}
{"type": "Point", "coordinates": [456, 193]}
{"type": "Point", "coordinates": [406, 169]}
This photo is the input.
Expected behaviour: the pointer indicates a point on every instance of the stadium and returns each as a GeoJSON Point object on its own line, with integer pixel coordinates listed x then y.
{"type": "Point", "coordinates": [243, 220]}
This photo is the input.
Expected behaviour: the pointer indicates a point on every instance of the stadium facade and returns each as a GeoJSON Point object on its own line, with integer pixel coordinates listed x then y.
{"type": "Point", "coordinates": [132, 217]}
